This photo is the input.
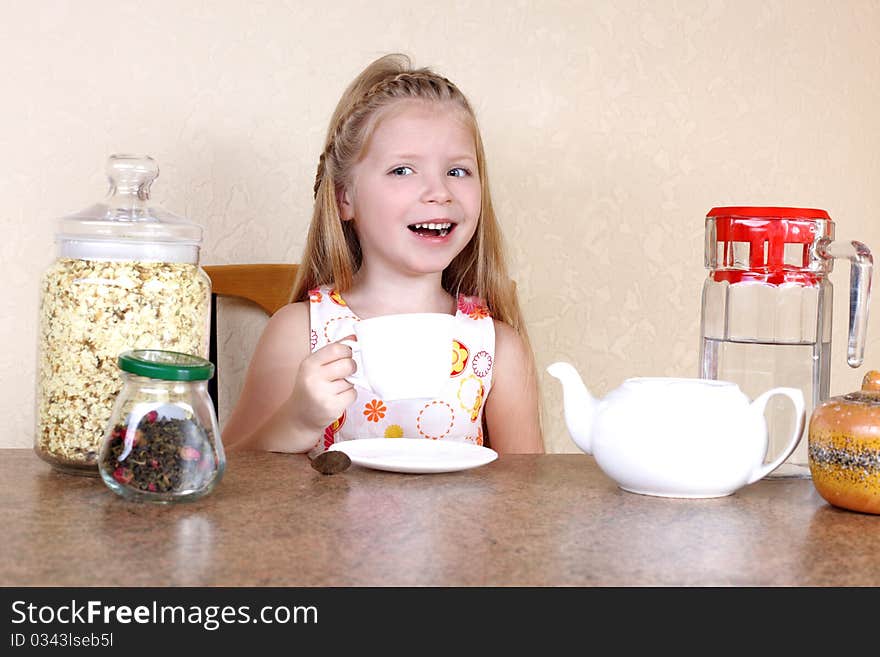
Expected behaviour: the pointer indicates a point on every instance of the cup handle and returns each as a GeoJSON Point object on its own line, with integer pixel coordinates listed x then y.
{"type": "Point", "coordinates": [357, 378]}
{"type": "Point", "coordinates": [757, 406]}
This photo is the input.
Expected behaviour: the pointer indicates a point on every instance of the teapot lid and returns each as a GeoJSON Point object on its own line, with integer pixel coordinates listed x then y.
{"type": "Point", "coordinates": [127, 224]}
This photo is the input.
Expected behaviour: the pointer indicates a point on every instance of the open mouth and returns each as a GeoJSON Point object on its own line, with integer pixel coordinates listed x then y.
{"type": "Point", "coordinates": [438, 229]}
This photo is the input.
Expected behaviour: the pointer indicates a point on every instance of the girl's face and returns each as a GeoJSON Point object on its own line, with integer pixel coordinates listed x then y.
{"type": "Point", "coordinates": [415, 195]}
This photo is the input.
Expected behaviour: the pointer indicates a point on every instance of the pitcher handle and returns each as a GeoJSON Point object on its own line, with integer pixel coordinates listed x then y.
{"type": "Point", "coordinates": [757, 406]}
{"type": "Point", "coordinates": [861, 268]}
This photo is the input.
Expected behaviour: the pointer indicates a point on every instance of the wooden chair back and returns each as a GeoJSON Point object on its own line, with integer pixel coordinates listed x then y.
{"type": "Point", "coordinates": [267, 285]}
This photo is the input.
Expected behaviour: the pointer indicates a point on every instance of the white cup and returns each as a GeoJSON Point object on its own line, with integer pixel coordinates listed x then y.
{"type": "Point", "coordinates": [405, 356]}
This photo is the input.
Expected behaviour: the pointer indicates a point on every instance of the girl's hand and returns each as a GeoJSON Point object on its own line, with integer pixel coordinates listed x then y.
{"type": "Point", "coordinates": [320, 391]}
{"type": "Point", "coordinates": [290, 395]}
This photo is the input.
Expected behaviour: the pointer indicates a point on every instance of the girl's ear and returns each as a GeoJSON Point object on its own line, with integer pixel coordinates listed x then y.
{"type": "Point", "coordinates": [344, 201]}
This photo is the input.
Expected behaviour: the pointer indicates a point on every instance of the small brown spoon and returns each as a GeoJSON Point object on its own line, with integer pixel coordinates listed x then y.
{"type": "Point", "coordinates": [331, 462]}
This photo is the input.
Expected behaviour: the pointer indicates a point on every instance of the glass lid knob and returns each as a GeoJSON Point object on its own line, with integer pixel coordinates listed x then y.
{"type": "Point", "coordinates": [132, 174]}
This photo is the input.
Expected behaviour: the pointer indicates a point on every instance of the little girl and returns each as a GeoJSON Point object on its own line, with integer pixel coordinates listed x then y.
{"type": "Point", "coordinates": [402, 223]}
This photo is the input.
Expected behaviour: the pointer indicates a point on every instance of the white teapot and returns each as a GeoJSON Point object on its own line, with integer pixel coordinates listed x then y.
{"type": "Point", "coordinates": [675, 437]}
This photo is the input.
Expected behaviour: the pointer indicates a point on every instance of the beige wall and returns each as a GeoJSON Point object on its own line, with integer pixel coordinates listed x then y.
{"type": "Point", "coordinates": [611, 128]}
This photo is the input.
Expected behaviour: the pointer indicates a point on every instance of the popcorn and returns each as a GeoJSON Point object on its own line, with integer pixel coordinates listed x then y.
{"type": "Point", "coordinates": [90, 312]}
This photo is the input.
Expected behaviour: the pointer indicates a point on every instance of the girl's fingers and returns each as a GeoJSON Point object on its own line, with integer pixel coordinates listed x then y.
{"type": "Point", "coordinates": [340, 386]}
{"type": "Point", "coordinates": [331, 352]}
{"type": "Point", "coordinates": [339, 369]}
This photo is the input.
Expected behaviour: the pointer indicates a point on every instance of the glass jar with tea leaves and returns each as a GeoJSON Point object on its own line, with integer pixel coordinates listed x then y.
{"type": "Point", "coordinates": [126, 276]}
{"type": "Point", "coordinates": [162, 443]}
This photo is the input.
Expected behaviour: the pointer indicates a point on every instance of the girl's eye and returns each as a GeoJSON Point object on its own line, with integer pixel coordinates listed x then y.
{"type": "Point", "coordinates": [401, 171]}
{"type": "Point", "coordinates": [458, 172]}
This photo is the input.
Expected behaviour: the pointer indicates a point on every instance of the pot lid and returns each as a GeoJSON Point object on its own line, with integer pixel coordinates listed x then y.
{"type": "Point", "coordinates": [870, 392]}
{"type": "Point", "coordinates": [127, 220]}
{"type": "Point", "coordinates": [165, 365]}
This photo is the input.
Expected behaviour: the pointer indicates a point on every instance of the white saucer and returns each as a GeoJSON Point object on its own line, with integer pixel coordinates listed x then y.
{"type": "Point", "coordinates": [415, 455]}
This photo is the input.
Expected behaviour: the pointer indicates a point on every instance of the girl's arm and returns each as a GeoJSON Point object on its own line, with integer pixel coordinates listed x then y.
{"type": "Point", "coordinates": [512, 405]}
{"type": "Point", "coordinates": [289, 394]}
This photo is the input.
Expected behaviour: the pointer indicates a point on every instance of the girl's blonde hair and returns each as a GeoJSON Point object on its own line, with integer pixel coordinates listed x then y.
{"type": "Point", "coordinates": [332, 252]}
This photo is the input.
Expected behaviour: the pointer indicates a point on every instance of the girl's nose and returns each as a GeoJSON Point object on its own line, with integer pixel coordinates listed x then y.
{"type": "Point", "coordinates": [437, 190]}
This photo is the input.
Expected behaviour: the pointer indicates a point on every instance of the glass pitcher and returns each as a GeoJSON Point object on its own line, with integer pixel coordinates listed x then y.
{"type": "Point", "coordinates": [767, 305]}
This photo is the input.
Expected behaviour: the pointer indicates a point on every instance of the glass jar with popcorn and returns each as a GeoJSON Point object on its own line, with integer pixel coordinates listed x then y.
{"type": "Point", "coordinates": [126, 276]}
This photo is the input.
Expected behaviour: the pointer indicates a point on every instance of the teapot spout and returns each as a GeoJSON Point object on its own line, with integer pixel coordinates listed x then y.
{"type": "Point", "coordinates": [579, 404]}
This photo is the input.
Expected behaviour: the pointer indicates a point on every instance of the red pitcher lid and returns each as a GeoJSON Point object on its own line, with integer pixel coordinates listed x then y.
{"type": "Point", "coordinates": [768, 213]}
{"type": "Point", "coordinates": [767, 231]}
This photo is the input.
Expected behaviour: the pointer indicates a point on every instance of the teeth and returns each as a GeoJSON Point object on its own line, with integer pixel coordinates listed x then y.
{"type": "Point", "coordinates": [443, 226]}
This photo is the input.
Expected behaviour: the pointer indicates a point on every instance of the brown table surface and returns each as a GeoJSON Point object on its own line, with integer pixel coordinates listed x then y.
{"type": "Point", "coordinates": [521, 520]}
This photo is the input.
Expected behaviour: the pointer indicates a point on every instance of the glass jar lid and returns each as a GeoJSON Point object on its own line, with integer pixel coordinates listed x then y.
{"type": "Point", "coordinates": [165, 365]}
{"type": "Point", "coordinates": [127, 225]}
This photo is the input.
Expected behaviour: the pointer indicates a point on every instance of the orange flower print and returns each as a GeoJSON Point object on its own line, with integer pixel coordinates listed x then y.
{"type": "Point", "coordinates": [315, 296]}
{"type": "Point", "coordinates": [473, 307]}
{"type": "Point", "coordinates": [336, 298]}
{"type": "Point", "coordinates": [375, 410]}
{"type": "Point", "coordinates": [480, 312]}
{"type": "Point", "coordinates": [459, 357]}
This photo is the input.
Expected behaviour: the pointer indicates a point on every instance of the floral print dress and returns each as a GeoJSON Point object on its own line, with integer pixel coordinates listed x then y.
{"type": "Point", "coordinates": [456, 415]}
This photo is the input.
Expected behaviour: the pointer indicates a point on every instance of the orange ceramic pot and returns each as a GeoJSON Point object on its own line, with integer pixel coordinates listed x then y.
{"type": "Point", "coordinates": [844, 441]}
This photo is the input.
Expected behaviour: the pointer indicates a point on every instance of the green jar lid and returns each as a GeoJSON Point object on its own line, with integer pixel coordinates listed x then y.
{"type": "Point", "coordinates": [165, 365]}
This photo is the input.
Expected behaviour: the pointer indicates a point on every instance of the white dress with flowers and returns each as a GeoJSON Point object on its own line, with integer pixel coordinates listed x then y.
{"type": "Point", "coordinates": [456, 415]}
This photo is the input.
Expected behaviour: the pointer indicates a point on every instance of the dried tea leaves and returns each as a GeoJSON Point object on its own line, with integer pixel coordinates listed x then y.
{"type": "Point", "coordinates": [162, 455]}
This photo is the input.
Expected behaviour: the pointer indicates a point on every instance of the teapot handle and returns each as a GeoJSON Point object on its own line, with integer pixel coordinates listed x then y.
{"type": "Point", "coordinates": [757, 406]}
